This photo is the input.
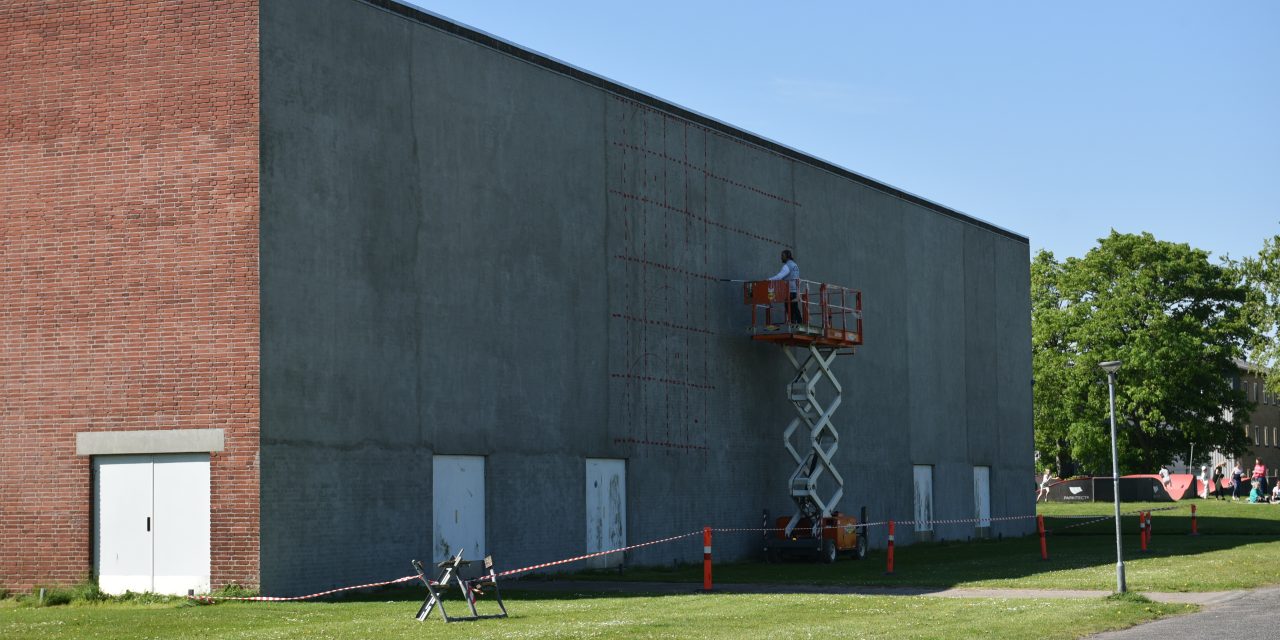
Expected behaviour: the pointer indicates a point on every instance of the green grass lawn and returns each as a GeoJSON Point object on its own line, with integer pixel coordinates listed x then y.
{"type": "Point", "coordinates": [1239, 548]}
{"type": "Point", "coordinates": [541, 615]}
{"type": "Point", "coordinates": [1213, 517]}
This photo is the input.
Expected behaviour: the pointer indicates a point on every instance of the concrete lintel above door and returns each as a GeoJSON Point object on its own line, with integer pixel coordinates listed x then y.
{"type": "Point", "coordinates": [99, 443]}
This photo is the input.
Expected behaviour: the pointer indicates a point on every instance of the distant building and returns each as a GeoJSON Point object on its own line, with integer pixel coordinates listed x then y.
{"type": "Point", "coordinates": [1262, 428]}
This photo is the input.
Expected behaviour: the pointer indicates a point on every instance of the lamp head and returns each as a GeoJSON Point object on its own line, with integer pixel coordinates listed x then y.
{"type": "Point", "coordinates": [1110, 366]}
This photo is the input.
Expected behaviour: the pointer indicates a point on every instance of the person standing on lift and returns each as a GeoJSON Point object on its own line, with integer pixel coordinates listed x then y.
{"type": "Point", "coordinates": [791, 274]}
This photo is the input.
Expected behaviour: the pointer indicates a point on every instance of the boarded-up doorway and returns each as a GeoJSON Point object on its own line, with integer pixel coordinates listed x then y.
{"type": "Point", "coordinates": [606, 509]}
{"type": "Point", "coordinates": [457, 507]}
{"type": "Point", "coordinates": [982, 496]}
{"type": "Point", "coordinates": [923, 477]}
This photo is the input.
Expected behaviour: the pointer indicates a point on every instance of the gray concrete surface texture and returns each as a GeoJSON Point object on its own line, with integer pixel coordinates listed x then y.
{"type": "Point", "coordinates": [467, 251]}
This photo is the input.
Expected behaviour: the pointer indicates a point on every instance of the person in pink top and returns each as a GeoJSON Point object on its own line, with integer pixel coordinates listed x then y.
{"type": "Point", "coordinates": [1260, 474]}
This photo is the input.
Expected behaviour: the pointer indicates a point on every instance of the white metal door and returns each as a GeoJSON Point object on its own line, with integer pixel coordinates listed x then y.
{"type": "Point", "coordinates": [122, 523]}
{"type": "Point", "coordinates": [151, 523]}
{"type": "Point", "coordinates": [923, 475]}
{"type": "Point", "coordinates": [982, 495]}
{"type": "Point", "coordinates": [606, 509]}
{"type": "Point", "coordinates": [457, 506]}
{"type": "Point", "coordinates": [181, 523]}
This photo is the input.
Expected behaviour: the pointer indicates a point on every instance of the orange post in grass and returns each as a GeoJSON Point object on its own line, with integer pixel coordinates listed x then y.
{"type": "Point", "coordinates": [1142, 529]}
{"type": "Point", "coordinates": [706, 558]}
{"type": "Point", "coordinates": [1044, 549]}
{"type": "Point", "coordinates": [889, 571]}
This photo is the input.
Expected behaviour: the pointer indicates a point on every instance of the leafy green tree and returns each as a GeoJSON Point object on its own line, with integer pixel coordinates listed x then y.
{"type": "Point", "coordinates": [1261, 276]}
{"type": "Point", "coordinates": [1176, 320]}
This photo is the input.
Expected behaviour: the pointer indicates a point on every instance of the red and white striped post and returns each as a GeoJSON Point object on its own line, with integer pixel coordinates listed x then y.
{"type": "Point", "coordinates": [1194, 532]}
{"type": "Point", "coordinates": [889, 571]}
{"type": "Point", "coordinates": [706, 558]}
{"type": "Point", "coordinates": [1044, 548]}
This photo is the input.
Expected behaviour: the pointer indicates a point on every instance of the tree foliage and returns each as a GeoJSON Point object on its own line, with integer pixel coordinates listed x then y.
{"type": "Point", "coordinates": [1176, 320]}
{"type": "Point", "coordinates": [1261, 276]}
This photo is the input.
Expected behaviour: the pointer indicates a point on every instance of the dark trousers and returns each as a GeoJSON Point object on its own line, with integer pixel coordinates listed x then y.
{"type": "Point", "coordinates": [796, 318]}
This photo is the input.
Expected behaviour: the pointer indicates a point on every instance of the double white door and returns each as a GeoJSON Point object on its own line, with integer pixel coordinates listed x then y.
{"type": "Point", "coordinates": [151, 523]}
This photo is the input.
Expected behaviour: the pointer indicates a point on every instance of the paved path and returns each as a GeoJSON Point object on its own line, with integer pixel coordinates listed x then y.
{"type": "Point", "coordinates": [1210, 599]}
{"type": "Point", "coordinates": [1226, 614]}
{"type": "Point", "coordinates": [1254, 614]}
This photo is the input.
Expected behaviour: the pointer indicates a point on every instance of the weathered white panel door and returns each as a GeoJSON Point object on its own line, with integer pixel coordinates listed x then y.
{"type": "Point", "coordinates": [151, 523]}
{"type": "Point", "coordinates": [457, 506]}
{"type": "Point", "coordinates": [606, 509]}
{"type": "Point", "coordinates": [122, 523]}
{"type": "Point", "coordinates": [982, 495]}
{"type": "Point", "coordinates": [923, 478]}
{"type": "Point", "coordinates": [181, 523]}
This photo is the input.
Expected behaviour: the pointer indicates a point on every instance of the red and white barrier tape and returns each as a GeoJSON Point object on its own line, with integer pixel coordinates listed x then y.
{"type": "Point", "coordinates": [1103, 518]}
{"type": "Point", "coordinates": [597, 554]}
{"type": "Point", "coordinates": [306, 597]}
{"type": "Point", "coordinates": [509, 572]}
{"type": "Point", "coordinates": [956, 521]}
{"type": "Point", "coordinates": [867, 525]}
{"type": "Point", "coordinates": [1080, 524]}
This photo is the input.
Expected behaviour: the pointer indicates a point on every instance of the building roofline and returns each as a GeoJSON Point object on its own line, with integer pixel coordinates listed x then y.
{"type": "Point", "coordinates": [1250, 367]}
{"type": "Point", "coordinates": [491, 41]}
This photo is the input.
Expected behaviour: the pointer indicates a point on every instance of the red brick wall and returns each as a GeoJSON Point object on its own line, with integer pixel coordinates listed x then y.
{"type": "Point", "coordinates": [128, 260]}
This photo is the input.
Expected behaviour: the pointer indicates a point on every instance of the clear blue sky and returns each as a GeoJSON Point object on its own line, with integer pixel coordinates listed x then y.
{"type": "Point", "coordinates": [1056, 120]}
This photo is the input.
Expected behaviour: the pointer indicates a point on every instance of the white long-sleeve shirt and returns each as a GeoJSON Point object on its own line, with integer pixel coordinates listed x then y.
{"type": "Point", "coordinates": [791, 273]}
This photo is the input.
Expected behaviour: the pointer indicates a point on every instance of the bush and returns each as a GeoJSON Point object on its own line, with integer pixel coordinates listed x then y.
{"type": "Point", "coordinates": [226, 591]}
{"type": "Point", "coordinates": [1129, 596]}
{"type": "Point", "coordinates": [86, 591]}
{"type": "Point", "coordinates": [144, 597]}
{"type": "Point", "coordinates": [234, 591]}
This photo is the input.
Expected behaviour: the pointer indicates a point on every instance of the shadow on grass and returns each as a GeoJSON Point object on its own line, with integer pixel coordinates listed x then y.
{"type": "Point", "coordinates": [919, 568]}
{"type": "Point", "coordinates": [1171, 522]}
{"type": "Point", "coordinates": [948, 564]}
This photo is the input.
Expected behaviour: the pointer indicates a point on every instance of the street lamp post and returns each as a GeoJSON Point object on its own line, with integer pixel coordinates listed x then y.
{"type": "Point", "coordinates": [1111, 367]}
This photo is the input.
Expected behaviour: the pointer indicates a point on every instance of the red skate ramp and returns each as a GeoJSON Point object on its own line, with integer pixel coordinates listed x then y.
{"type": "Point", "coordinates": [1181, 485]}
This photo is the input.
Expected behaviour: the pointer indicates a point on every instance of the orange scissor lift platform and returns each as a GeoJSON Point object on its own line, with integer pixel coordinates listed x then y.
{"type": "Point", "coordinates": [830, 315]}
{"type": "Point", "coordinates": [823, 322]}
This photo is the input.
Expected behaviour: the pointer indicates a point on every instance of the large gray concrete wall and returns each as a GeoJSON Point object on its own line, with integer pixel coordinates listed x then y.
{"type": "Point", "coordinates": [466, 250]}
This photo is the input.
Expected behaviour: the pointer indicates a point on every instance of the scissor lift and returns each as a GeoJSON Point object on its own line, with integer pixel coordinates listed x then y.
{"type": "Point", "coordinates": [829, 325]}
